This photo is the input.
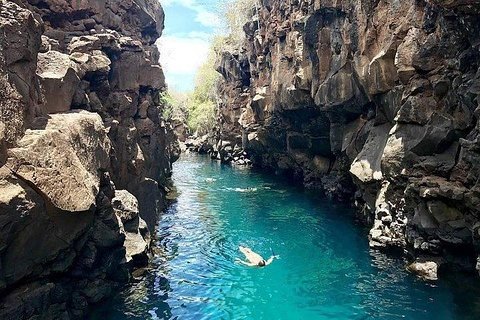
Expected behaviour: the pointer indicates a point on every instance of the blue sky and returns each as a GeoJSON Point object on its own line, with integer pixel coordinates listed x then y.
{"type": "Point", "coordinates": [189, 26]}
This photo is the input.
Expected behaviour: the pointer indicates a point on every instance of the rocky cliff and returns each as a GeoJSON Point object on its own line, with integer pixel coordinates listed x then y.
{"type": "Point", "coordinates": [85, 155]}
{"type": "Point", "coordinates": [373, 102]}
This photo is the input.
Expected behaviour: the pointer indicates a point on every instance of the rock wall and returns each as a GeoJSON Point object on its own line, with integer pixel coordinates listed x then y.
{"type": "Point", "coordinates": [85, 155]}
{"type": "Point", "coordinates": [373, 102]}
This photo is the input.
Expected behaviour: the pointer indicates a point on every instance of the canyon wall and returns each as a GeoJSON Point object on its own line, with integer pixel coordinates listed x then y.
{"type": "Point", "coordinates": [85, 156]}
{"type": "Point", "coordinates": [372, 102]}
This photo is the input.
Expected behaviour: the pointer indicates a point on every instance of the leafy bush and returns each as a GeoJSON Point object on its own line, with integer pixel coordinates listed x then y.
{"type": "Point", "coordinates": [175, 105]}
{"type": "Point", "coordinates": [236, 13]}
{"type": "Point", "coordinates": [202, 102]}
{"type": "Point", "coordinates": [202, 116]}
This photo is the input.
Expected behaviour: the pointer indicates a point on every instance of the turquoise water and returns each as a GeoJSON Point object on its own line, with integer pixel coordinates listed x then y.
{"type": "Point", "coordinates": [326, 270]}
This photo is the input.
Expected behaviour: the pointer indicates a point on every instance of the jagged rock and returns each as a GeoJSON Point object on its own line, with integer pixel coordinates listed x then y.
{"type": "Point", "coordinates": [386, 93]}
{"type": "Point", "coordinates": [126, 208]}
{"type": "Point", "coordinates": [20, 40]}
{"type": "Point", "coordinates": [98, 62]}
{"type": "Point", "coordinates": [427, 270]}
{"type": "Point", "coordinates": [57, 187]}
{"type": "Point", "coordinates": [53, 231]}
{"type": "Point", "coordinates": [3, 151]}
{"type": "Point", "coordinates": [136, 248]}
{"type": "Point", "coordinates": [181, 129]}
{"type": "Point", "coordinates": [151, 202]}
{"type": "Point", "coordinates": [367, 165]}
{"type": "Point", "coordinates": [137, 236]}
{"type": "Point", "coordinates": [63, 159]}
{"type": "Point", "coordinates": [90, 43]}
{"type": "Point", "coordinates": [136, 17]}
{"type": "Point", "coordinates": [443, 213]}
{"type": "Point", "coordinates": [106, 233]}
{"type": "Point", "coordinates": [132, 70]}
{"type": "Point", "coordinates": [59, 80]}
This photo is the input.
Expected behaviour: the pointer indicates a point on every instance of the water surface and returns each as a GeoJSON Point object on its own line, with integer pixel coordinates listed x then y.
{"type": "Point", "coordinates": [326, 270]}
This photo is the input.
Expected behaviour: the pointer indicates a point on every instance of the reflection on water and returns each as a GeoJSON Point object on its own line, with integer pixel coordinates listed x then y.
{"type": "Point", "coordinates": [326, 270]}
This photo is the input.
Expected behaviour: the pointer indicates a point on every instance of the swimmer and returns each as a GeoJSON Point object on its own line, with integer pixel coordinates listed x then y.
{"type": "Point", "coordinates": [254, 259]}
{"type": "Point", "coordinates": [246, 190]}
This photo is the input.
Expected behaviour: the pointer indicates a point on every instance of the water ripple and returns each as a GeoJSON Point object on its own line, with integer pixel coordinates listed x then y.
{"type": "Point", "coordinates": [326, 270]}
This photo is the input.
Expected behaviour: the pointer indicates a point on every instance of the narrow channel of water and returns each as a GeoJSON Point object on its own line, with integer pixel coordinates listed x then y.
{"type": "Point", "coordinates": [326, 270]}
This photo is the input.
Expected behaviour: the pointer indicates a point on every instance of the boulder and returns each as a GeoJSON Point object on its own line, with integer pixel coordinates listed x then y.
{"type": "Point", "coordinates": [136, 249]}
{"type": "Point", "coordinates": [63, 159]}
{"type": "Point", "coordinates": [137, 237]}
{"type": "Point", "coordinates": [405, 53]}
{"type": "Point", "coordinates": [126, 208]}
{"type": "Point", "coordinates": [59, 80]}
{"type": "Point", "coordinates": [427, 270]}
{"type": "Point", "coordinates": [98, 62]}
{"type": "Point", "coordinates": [258, 105]}
{"type": "Point", "coordinates": [26, 218]}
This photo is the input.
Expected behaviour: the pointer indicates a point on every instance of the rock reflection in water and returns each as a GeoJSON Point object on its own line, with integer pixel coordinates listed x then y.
{"type": "Point", "coordinates": [326, 270]}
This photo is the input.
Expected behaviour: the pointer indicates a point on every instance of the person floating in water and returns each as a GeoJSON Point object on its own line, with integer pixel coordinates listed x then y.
{"type": "Point", "coordinates": [246, 190]}
{"type": "Point", "coordinates": [254, 259]}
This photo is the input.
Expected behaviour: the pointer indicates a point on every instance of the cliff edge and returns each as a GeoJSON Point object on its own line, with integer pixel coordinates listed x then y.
{"type": "Point", "coordinates": [85, 156]}
{"type": "Point", "coordinates": [370, 102]}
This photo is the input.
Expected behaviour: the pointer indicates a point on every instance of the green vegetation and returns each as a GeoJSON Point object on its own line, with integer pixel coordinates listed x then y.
{"type": "Point", "coordinates": [202, 104]}
{"type": "Point", "coordinates": [236, 14]}
{"type": "Point", "coordinates": [175, 105]}
{"type": "Point", "coordinates": [198, 109]}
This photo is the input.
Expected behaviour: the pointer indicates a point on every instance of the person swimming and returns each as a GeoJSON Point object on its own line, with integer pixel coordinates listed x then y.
{"type": "Point", "coordinates": [245, 190]}
{"type": "Point", "coordinates": [254, 259]}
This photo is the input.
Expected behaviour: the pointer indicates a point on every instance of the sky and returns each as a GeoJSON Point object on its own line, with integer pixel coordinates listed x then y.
{"type": "Point", "coordinates": [184, 45]}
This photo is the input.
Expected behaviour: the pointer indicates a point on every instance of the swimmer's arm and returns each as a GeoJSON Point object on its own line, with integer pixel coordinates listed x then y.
{"type": "Point", "coordinates": [270, 260]}
{"type": "Point", "coordinates": [245, 263]}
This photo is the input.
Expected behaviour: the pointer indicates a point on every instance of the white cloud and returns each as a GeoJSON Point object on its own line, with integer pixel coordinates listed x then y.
{"type": "Point", "coordinates": [182, 53]}
{"type": "Point", "coordinates": [200, 35]}
{"type": "Point", "coordinates": [181, 56]}
{"type": "Point", "coordinates": [204, 16]}
{"type": "Point", "coordinates": [208, 19]}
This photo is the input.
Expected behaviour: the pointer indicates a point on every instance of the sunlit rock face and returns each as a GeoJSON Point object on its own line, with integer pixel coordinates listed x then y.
{"type": "Point", "coordinates": [85, 155]}
{"type": "Point", "coordinates": [375, 103]}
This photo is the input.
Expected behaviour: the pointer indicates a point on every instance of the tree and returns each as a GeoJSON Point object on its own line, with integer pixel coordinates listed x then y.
{"type": "Point", "coordinates": [236, 13]}
{"type": "Point", "coordinates": [199, 108]}
{"type": "Point", "coordinates": [175, 105]}
{"type": "Point", "coordinates": [202, 103]}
